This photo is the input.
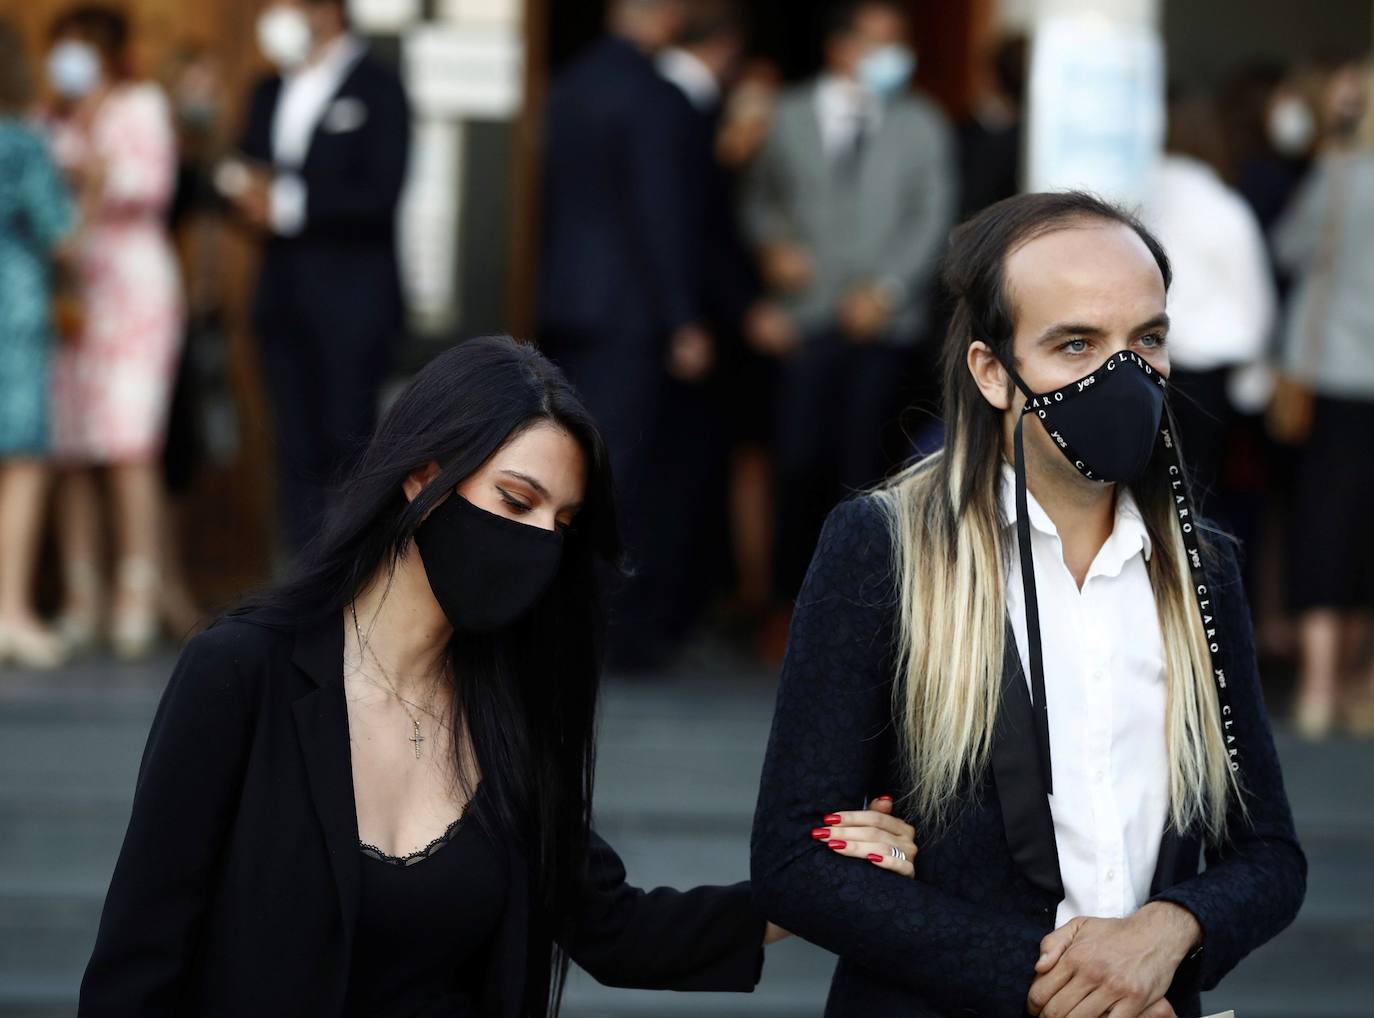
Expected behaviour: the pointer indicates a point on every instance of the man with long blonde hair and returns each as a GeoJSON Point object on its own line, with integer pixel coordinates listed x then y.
{"type": "Point", "coordinates": [1034, 638]}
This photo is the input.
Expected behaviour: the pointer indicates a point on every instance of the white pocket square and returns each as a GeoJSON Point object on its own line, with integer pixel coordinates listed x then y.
{"type": "Point", "coordinates": [345, 115]}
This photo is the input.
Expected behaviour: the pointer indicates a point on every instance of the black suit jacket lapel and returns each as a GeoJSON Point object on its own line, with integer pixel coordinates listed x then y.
{"type": "Point", "coordinates": [1020, 789]}
{"type": "Point", "coordinates": [345, 90]}
{"type": "Point", "coordinates": [322, 725]}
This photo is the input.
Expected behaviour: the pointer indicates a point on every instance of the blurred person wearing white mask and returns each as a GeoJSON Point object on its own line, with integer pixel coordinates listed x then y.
{"type": "Point", "coordinates": [1325, 405]}
{"type": "Point", "coordinates": [1222, 303]}
{"type": "Point", "coordinates": [318, 178]}
{"type": "Point", "coordinates": [848, 206]}
{"type": "Point", "coordinates": [113, 135]}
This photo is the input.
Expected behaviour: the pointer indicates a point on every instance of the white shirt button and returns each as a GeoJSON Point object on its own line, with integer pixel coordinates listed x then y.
{"type": "Point", "coordinates": [1099, 776]}
{"type": "Point", "coordinates": [1111, 874]}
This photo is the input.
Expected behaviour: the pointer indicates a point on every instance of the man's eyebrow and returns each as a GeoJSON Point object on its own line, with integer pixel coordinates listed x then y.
{"type": "Point", "coordinates": [1064, 330]}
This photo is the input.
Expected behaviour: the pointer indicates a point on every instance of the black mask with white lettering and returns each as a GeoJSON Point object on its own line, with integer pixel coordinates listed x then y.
{"type": "Point", "coordinates": [1107, 425]}
{"type": "Point", "coordinates": [486, 571]}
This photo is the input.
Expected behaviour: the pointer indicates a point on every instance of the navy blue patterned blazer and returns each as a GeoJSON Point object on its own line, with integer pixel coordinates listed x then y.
{"type": "Point", "coordinates": [963, 937]}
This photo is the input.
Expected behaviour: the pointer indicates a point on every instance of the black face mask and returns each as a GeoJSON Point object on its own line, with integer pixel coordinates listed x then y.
{"type": "Point", "coordinates": [1106, 424]}
{"type": "Point", "coordinates": [486, 571]}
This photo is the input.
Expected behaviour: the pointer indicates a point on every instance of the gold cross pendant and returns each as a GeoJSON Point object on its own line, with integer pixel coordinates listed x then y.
{"type": "Point", "coordinates": [416, 738]}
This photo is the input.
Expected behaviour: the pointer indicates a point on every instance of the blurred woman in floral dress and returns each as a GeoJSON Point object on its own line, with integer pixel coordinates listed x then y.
{"type": "Point", "coordinates": [114, 136]}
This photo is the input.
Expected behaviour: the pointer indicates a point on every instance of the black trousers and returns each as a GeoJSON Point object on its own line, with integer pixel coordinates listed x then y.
{"type": "Point", "coordinates": [834, 402]}
{"type": "Point", "coordinates": [324, 387]}
{"type": "Point", "coordinates": [1331, 556]}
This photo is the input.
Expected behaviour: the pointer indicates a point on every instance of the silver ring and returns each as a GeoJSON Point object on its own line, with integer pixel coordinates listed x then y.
{"type": "Point", "coordinates": [898, 854]}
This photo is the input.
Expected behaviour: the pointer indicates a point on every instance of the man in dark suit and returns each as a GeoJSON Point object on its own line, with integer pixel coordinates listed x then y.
{"type": "Point", "coordinates": [1124, 739]}
{"type": "Point", "coordinates": [620, 305]}
{"type": "Point", "coordinates": [325, 145]}
{"type": "Point", "coordinates": [727, 440]}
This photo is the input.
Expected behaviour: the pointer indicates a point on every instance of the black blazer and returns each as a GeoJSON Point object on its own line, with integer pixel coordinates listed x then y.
{"type": "Point", "coordinates": [341, 271]}
{"type": "Point", "coordinates": [621, 241]}
{"type": "Point", "coordinates": [236, 890]}
{"type": "Point", "coordinates": [963, 938]}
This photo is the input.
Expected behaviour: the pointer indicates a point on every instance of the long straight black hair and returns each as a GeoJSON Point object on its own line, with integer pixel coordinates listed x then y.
{"type": "Point", "coordinates": [528, 693]}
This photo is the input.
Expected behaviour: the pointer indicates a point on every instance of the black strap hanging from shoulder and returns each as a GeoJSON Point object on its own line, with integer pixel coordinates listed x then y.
{"type": "Point", "coordinates": [1202, 592]}
{"type": "Point", "coordinates": [1033, 648]}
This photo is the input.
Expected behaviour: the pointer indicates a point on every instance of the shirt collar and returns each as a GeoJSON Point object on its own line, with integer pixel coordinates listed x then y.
{"type": "Point", "coordinates": [336, 60]}
{"type": "Point", "coordinates": [1128, 538]}
{"type": "Point", "coordinates": [685, 70]}
{"type": "Point", "coordinates": [841, 97]}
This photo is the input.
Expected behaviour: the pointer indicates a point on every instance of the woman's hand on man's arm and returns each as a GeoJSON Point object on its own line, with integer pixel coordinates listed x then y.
{"type": "Point", "coordinates": [869, 834]}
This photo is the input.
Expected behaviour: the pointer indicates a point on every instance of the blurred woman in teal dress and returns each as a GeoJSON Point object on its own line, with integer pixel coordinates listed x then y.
{"type": "Point", "coordinates": [35, 218]}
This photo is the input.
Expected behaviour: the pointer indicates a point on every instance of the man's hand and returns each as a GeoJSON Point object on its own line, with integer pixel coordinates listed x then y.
{"type": "Point", "coordinates": [786, 267]}
{"type": "Point", "coordinates": [252, 196]}
{"type": "Point", "coordinates": [691, 352]}
{"type": "Point", "coordinates": [770, 330]}
{"type": "Point", "coordinates": [1089, 967]}
{"type": "Point", "coordinates": [864, 314]}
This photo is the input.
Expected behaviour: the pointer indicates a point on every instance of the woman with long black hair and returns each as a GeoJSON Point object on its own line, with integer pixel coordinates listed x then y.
{"type": "Point", "coordinates": [367, 791]}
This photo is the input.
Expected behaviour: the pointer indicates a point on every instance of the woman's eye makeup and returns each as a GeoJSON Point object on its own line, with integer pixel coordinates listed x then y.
{"type": "Point", "coordinates": [520, 507]}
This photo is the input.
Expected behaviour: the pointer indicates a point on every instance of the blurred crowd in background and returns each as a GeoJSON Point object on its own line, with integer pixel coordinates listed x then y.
{"type": "Point", "coordinates": [740, 274]}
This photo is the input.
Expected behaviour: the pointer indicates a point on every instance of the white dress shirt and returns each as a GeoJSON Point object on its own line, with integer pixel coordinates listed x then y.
{"type": "Point", "coordinates": [1105, 688]}
{"type": "Point", "coordinates": [842, 107]}
{"type": "Point", "coordinates": [685, 70]}
{"type": "Point", "coordinates": [305, 95]}
{"type": "Point", "coordinates": [1221, 302]}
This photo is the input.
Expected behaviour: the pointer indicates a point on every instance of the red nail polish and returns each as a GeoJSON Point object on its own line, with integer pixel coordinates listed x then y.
{"type": "Point", "coordinates": [837, 845]}
{"type": "Point", "coordinates": [875, 858]}
{"type": "Point", "coordinates": [833, 818]}
{"type": "Point", "coordinates": [884, 798]}
{"type": "Point", "coordinates": [820, 833]}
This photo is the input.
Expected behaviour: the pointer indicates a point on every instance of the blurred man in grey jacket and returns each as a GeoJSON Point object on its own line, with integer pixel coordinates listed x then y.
{"type": "Point", "coordinates": [848, 205]}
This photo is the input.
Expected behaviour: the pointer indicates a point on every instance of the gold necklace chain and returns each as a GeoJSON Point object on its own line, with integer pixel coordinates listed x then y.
{"type": "Point", "coordinates": [416, 736]}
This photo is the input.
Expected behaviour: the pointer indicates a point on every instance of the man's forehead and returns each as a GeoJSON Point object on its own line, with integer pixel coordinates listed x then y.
{"type": "Point", "coordinates": [1102, 269]}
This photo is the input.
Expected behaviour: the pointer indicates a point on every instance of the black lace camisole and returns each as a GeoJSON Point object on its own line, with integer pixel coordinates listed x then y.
{"type": "Point", "coordinates": [425, 924]}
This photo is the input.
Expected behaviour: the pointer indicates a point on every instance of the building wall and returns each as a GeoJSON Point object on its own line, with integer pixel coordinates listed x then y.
{"type": "Point", "coordinates": [1206, 40]}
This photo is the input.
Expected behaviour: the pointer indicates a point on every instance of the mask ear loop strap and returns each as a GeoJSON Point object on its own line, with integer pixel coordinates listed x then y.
{"type": "Point", "coordinates": [1181, 497]}
{"type": "Point", "coordinates": [1034, 650]}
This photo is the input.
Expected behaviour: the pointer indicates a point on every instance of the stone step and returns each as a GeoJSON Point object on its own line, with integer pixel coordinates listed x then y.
{"type": "Point", "coordinates": [46, 934]}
